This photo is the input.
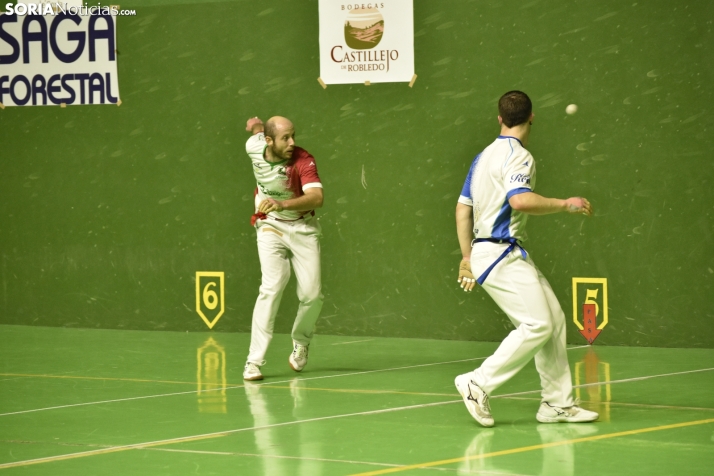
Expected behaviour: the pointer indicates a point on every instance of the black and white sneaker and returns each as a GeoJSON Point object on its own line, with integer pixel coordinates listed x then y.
{"type": "Point", "coordinates": [475, 399]}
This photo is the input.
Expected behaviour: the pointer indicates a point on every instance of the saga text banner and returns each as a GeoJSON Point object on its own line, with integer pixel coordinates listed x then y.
{"type": "Point", "coordinates": [58, 58]}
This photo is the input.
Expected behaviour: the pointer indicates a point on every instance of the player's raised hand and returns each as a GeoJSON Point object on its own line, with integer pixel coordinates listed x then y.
{"type": "Point", "coordinates": [269, 205]}
{"type": "Point", "coordinates": [579, 205]}
{"type": "Point", "coordinates": [466, 278]}
{"type": "Point", "coordinates": [251, 122]}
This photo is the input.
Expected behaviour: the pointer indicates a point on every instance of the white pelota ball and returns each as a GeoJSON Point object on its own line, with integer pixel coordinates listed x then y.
{"type": "Point", "coordinates": [571, 109]}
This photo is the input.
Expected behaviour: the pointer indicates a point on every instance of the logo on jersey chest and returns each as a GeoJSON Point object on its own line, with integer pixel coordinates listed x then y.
{"type": "Point", "coordinates": [274, 193]}
{"type": "Point", "coordinates": [521, 178]}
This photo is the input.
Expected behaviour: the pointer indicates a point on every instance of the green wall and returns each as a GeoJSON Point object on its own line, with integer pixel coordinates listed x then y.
{"type": "Point", "coordinates": [107, 213]}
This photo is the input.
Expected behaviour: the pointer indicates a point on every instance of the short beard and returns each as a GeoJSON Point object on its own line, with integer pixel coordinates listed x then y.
{"type": "Point", "coordinates": [275, 154]}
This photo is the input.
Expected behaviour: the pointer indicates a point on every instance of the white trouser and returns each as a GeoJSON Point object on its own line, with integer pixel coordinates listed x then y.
{"type": "Point", "coordinates": [523, 293]}
{"type": "Point", "coordinates": [279, 245]}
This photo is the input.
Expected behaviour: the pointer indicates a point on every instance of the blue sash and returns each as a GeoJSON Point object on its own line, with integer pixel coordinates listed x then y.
{"type": "Point", "coordinates": [513, 243]}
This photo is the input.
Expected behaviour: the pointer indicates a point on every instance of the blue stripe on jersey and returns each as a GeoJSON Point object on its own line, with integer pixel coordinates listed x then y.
{"type": "Point", "coordinates": [466, 190]}
{"type": "Point", "coordinates": [501, 227]}
{"type": "Point", "coordinates": [516, 191]}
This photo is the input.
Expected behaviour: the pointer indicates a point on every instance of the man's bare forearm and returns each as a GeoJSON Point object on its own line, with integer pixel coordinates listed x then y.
{"type": "Point", "coordinates": [534, 204]}
{"type": "Point", "coordinates": [464, 228]}
{"type": "Point", "coordinates": [312, 199]}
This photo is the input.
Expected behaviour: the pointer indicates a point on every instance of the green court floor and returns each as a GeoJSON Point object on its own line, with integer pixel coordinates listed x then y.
{"type": "Point", "coordinates": [106, 402]}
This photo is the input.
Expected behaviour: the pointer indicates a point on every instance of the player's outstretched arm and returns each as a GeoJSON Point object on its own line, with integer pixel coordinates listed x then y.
{"type": "Point", "coordinates": [534, 204]}
{"type": "Point", "coordinates": [254, 125]}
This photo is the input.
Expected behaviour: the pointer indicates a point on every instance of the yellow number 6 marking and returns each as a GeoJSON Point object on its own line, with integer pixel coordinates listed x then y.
{"type": "Point", "coordinates": [206, 294]}
{"type": "Point", "coordinates": [210, 299]}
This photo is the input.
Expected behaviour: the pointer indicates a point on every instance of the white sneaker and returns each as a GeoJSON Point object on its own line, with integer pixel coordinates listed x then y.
{"type": "Point", "coordinates": [298, 359]}
{"type": "Point", "coordinates": [475, 399]}
{"type": "Point", "coordinates": [550, 414]}
{"type": "Point", "coordinates": [252, 371]}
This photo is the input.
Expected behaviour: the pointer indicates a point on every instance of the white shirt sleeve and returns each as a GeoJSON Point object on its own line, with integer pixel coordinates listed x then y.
{"type": "Point", "coordinates": [465, 197]}
{"type": "Point", "coordinates": [256, 144]}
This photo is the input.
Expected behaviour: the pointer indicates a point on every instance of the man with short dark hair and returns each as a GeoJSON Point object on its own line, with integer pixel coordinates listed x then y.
{"type": "Point", "coordinates": [490, 222]}
{"type": "Point", "coordinates": [288, 192]}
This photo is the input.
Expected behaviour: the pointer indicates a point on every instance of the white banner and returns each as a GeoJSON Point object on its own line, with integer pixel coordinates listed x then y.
{"type": "Point", "coordinates": [58, 58]}
{"type": "Point", "coordinates": [371, 41]}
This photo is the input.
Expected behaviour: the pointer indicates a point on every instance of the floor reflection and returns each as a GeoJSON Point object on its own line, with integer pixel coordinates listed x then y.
{"type": "Point", "coordinates": [211, 378]}
{"type": "Point", "coordinates": [589, 377]}
{"type": "Point", "coordinates": [287, 450]}
{"type": "Point", "coordinates": [480, 446]}
{"type": "Point", "coordinates": [558, 459]}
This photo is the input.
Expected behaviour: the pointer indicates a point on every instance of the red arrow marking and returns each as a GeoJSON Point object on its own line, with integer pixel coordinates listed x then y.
{"type": "Point", "coordinates": [590, 323]}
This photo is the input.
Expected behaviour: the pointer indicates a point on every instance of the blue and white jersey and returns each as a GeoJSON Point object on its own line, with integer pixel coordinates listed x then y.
{"type": "Point", "coordinates": [504, 169]}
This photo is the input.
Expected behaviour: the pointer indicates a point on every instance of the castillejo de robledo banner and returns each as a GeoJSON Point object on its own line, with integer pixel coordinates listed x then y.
{"type": "Point", "coordinates": [370, 41]}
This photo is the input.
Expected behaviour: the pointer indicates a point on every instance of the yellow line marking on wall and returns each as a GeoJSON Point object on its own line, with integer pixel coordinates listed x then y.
{"type": "Point", "coordinates": [537, 447]}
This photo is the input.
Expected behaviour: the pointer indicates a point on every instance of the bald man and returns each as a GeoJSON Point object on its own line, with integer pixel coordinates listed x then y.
{"type": "Point", "coordinates": [288, 192]}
